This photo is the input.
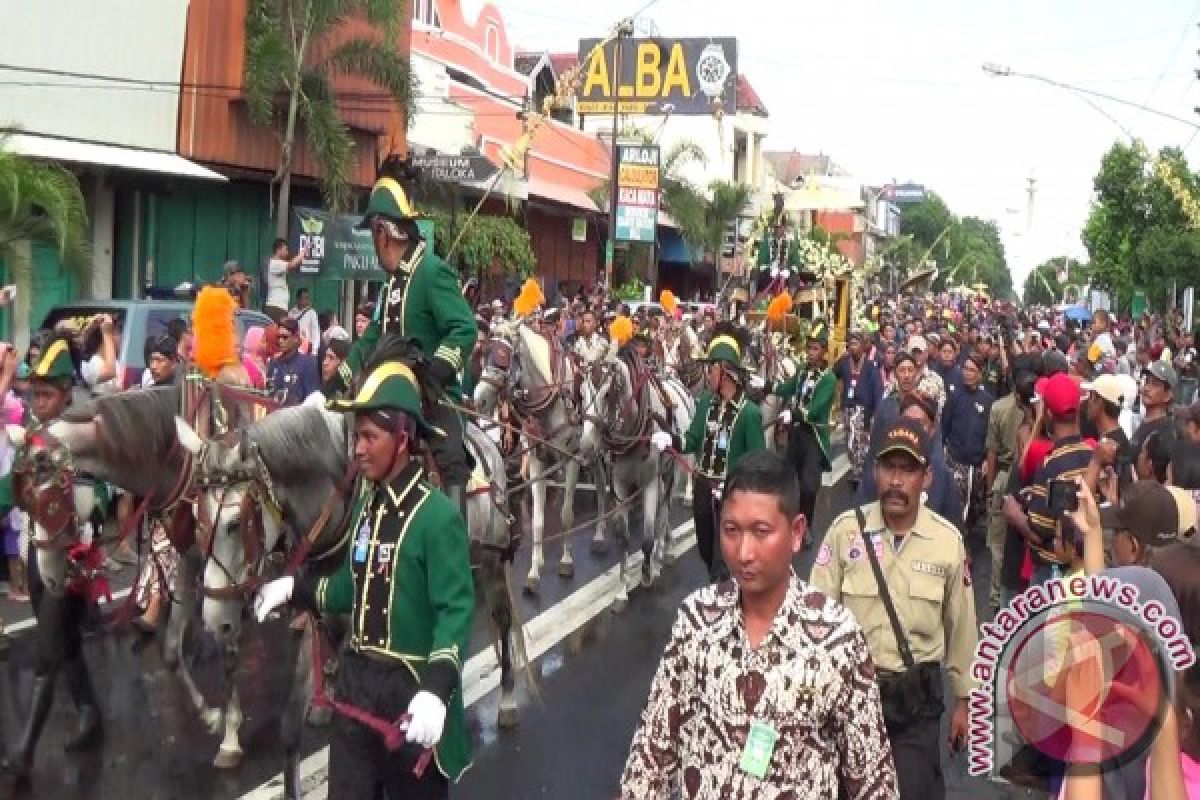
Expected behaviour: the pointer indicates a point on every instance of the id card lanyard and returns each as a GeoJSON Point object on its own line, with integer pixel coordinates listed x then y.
{"type": "Point", "coordinates": [762, 736]}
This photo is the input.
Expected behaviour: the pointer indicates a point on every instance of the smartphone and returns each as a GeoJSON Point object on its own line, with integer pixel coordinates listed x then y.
{"type": "Point", "coordinates": [1063, 497]}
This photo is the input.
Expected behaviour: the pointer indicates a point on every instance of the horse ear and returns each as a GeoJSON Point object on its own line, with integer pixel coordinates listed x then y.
{"type": "Point", "coordinates": [16, 435]}
{"type": "Point", "coordinates": [190, 440]}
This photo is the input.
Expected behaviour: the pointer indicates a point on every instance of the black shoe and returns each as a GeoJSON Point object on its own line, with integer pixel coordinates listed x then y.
{"type": "Point", "coordinates": [90, 732]}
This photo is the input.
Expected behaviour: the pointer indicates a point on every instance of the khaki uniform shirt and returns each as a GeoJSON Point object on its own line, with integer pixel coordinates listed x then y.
{"type": "Point", "coordinates": [1003, 423]}
{"type": "Point", "coordinates": [929, 583]}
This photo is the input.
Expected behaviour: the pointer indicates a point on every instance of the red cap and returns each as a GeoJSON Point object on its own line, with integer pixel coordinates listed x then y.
{"type": "Point", "coordinates": [1060, 393]}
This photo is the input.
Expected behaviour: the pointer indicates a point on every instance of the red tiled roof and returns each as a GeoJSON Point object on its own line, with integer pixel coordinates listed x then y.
{"type": "Point", "coordinates": [563, 61]}
{"type": "Point", "coordinates": [748, 99]}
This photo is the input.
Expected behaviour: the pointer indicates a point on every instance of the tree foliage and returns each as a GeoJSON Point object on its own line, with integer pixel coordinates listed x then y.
{"type": "Point", "coordinates": [1043, 286]}
{"type": "Point", "coordinates": [1138, 235]}
{"type": "Point", "coordinates": [488, 241]}
{"type": "Point", "coordinates": [966, 251]}
{"type": "Point", "coordinates": [41, 202]}
{"type": "Point", "coordinates": [294, 51]}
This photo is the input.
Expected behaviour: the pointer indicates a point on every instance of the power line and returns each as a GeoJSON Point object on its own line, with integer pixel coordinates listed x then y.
{"type": "Point", "coordinates": [1174, 51]}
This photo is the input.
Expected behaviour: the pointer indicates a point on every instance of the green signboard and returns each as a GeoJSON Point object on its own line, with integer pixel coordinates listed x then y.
{"type": "Point", "coordinates": [337, 250]}
{"type": "Point", "coordinates": [1139, 304]}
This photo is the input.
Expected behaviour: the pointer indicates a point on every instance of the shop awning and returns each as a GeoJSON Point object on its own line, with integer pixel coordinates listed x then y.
{"type": "Point", "coordinates": [76, 152]}
{"type": "Point", "coordinates": [672, 248]}
{"type": "Point", "coordinates": [564, 195]}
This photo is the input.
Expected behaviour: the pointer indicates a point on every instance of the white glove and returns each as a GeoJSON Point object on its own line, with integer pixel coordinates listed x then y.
{"type": "Point", "coordinates": [661, 439]}
{"type": "Point", "coordinates": [428, 718]}
{"type": "Point", "coordinates": [787, 273]}
{"type": "Point", "coordinates": [756, 382]}
{"type": "Point", "coordinates": [785, 417]}
{"type": "Point", "coordinates": [272, 596]}
{"type": "Point", "coordinates": [774, 272]}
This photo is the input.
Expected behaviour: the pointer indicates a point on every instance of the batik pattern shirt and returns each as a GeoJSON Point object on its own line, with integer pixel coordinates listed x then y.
{"type": "Point", "coordinates": [811, 679]}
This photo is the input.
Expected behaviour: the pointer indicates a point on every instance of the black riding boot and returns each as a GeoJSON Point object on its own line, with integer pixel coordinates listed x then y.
{"type": "Point", "coordinates": [21, 761]}
{"type": "Point", "coordinates": [90, 730]}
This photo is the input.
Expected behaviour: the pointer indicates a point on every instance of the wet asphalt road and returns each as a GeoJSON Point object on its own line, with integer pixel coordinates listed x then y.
{"type": "Point", "coordinates": [571, 743]}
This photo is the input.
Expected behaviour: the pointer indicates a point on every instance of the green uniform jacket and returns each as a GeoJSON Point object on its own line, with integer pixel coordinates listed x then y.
{"type": "Point", "coordinates": [816, 412]}
{"type": "Point", "coordinates": [740, 419]}
{"type": "Point", "coordinates": [406, 584]}
{"type": "Point", "coordinates": [422, 300]}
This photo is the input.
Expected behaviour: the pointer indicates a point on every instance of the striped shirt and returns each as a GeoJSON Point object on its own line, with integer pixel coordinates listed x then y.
{"type": "Point", "coordinates": [1069, 459]}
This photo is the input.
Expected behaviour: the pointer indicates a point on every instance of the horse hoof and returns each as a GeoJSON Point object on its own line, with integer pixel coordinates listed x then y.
{"type": "Point", "coordinates": [566, 570]}
{"type": "Point", "coordinates": [227, 759]}
{"type": "Point", "coordinates": [531, 584]}
{"type": "Point", "coordinates": [599, 547]}
{"type": "Point", "coordinates": [620, 604]}
{"type": "Point", "coordinates": [507, 718]}
{"type": "Point", "coordinates": [320, 717]}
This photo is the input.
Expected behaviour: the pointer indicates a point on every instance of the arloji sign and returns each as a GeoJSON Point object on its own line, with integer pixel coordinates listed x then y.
{"type": "Point", "coordinates": [637, 193]}
{"type": "Point", "coordinates": [659, 76]}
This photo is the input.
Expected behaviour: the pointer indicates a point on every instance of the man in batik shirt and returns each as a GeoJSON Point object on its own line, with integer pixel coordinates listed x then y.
{"type": "Point", "coordinates": [766, 688]}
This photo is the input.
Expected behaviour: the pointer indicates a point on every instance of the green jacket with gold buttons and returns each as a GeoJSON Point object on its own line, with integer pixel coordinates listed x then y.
{"type": "Point", "coordinates": [406, 585]}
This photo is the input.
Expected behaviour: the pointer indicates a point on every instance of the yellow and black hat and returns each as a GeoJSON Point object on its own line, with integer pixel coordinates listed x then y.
{"type": "Point", "coordinates": [725, 349]}
{"type": "Point", "coordinates": [388, 199]}
{"type": "Point", "coordinates": [390, 386]}
{"type": "Point", "coordinates": [55, 361]}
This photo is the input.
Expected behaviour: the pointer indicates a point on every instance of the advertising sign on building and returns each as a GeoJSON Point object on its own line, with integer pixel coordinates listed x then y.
{"type": "Point", "coordinates": [637, 193]}
{"type": "Point", "coordinates": [455, 169]}
{"type": "Point", "coordinates": [336, 249]}
{"type": "Point", "coordinates": [659, 76]}
{"type": "Point", "coordinates": [905, 193]}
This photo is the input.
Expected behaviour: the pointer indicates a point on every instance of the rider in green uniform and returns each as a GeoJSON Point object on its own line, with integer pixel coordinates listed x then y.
{"type": "Point", "coordinates": [421, 301]}
{"type": "Point", "coordinates": [406, 585]}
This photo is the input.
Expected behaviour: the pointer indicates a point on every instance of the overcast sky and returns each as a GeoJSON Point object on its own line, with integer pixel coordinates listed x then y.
{"type": "Point", "coordinates": [896, 91]}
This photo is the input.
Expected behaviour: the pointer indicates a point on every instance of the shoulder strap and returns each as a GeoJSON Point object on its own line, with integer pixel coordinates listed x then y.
{"type": "Point", "coordinates": [884, 594]}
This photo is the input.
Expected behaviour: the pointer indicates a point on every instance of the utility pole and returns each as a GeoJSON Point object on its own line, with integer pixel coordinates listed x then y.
{"type": "Point", "coordinates": [624, 31]}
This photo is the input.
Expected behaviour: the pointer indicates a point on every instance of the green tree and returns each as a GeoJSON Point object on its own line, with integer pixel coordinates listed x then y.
{"type": "Point", "coordinates": [488, 241]}
{"type": "Point", "coordinates": [1042, 284]}
{"type": "Point", "coordinates": [1137, 234]}
{"type": "Point", "coordinates": [41, 202]}
{"type": "Point", "coordinates": [294, 51]}
{"type": "Point", "coordinates": [966, 251]}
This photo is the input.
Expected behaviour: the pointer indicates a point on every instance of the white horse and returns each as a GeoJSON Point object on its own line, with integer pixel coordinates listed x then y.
{"type": "Point", "coordinates": [630, 405]}
{"type": "Point", "coordinates": [775, 366]}
{"type": "Point", "coordinates": [535, 375]}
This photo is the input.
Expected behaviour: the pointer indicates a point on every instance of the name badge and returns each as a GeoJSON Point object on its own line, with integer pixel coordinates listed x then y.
{"type": "Point", "coordinates": [850, 393]}
{"type": "Point", "coordinates": [760, 746]}
{"type": "Point", "coordinates": [723, 441]}
{"type": "Point", "coordinates": [362, 543]}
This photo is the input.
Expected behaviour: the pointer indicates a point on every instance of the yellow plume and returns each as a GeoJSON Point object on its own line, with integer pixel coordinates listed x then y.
{"type": "Point", "coordinates": [215, 333]}
{"type": "Point", "coordinates": [780, 305]}
{"type": "Point", "coordinates": [666, 299]}
{"type": "Point", "coordinates": [529, 299]}
{"type": "Point", "coordinates": [621, 330]}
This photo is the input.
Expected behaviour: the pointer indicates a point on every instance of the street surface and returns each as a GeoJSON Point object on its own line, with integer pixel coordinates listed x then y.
{"type": "Point", "coordinates": [594, 669]}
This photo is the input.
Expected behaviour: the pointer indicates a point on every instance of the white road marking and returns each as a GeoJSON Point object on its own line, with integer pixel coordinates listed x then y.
{"type": "Point", "coordinates": [30, 622]}
{"type": "Point", "coordinates": [481, 673]}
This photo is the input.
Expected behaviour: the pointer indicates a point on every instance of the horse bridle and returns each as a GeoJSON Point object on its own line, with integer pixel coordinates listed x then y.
{"type": "Point", "coordinates": [50, 502]}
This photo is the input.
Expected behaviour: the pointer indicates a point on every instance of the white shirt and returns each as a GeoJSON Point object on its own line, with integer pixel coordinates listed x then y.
{"type": "Point", "coordinates": [90, 372]}
{"type": "Point", "coordinates": [310, 329]}
{"type": "Point", "coordinates": [277, 288]}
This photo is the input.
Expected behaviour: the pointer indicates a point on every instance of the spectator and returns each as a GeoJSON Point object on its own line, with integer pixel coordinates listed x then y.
{"type": "Point", "coordinates": [330, 328]}
{"type": "Point", "coordinates": [1158, 386]}
{"type": "Point", "coordinates": [1189, 419]}
{"type": "Point", "coordinates": [278, 267]}
{"type": "Point", "coordinates": [101, 341]}
{"type": "Point", "coordinates": [162, 357]}
{"type": "Point", "coordinates": [1146, 520]}
{"type": "Point", "coordinates": [254, 356]}
{"type": "Point", "coordinates": [362, 318]}
{"type": "Point", "coordinates": [293, 375]}
{"type": "Point", "coordinates": [336, 377]}
{"type": "Point", "coordinates": [310, 325]}
{"type": "Point", "coordinates": [235, 279]}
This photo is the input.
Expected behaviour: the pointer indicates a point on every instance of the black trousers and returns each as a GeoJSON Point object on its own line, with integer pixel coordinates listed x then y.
{"type": "Point", "coordinates": [360, 767]}
{"type": "Point", "coordinates": [706, 514]}
{"type": "Point", "coordinates": [916, 751]}
{"type": "Point", "coordinates": [448, 451]}
{"type": "Point", "coordinates": [60, 635]}
{"type": "Point", "coordinates": [804, 452]}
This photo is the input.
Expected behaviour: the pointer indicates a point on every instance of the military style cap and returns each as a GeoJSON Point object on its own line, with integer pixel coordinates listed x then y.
{"type": "Point", "coordinates": [724, 349]}
{"type": "Point", "coordinates": [390, 386]}
{"type": "Point", "coordinates": [819, 333]}
{"type": "Point", "coordinates": [388, 199]}
{"type": "Point", "coordinates": [55, 362]}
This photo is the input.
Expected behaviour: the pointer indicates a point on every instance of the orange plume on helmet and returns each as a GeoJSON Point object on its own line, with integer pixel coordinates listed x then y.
{"type": "Point", "coordinates": [529, 299]}
{"type": "Point", "coordinates": [214, 331]}
{"type": "Point", "coordinates": [667, 300]}
{"type": "Point", "coordinates": [621, 330]}
{"type": "Point", "coordinates": [779, 306]}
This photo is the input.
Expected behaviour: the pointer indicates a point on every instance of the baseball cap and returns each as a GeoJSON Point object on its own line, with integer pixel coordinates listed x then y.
{"type": "Point", "coordinates": [1110, 387]}
{"type": "Point", "coordinates": [1164, 372]}
{"type": "Point", "coordinates": [1060, 393]}
{"type": "Point", "coordinates": [907, 436]}
{"type": "Point", "coordinates": [1148, 511]}
{"type": "Point", "coordinates": [1185, 504]}
{"type": "Point", "coordinates": [917, 343]}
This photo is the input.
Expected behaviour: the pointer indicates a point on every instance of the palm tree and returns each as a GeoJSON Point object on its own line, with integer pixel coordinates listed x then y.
{"type": "Point", "coordinates": [284, 56]}
{"type": "Point", "coordinates": [41, 202]}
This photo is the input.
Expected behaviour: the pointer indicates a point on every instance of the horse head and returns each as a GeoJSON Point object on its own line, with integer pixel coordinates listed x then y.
{"type": "Point", "coordinates": [46, 489]}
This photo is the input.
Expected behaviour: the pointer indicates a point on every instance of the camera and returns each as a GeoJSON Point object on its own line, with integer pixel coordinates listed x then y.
{"type": "Point", "coordinates": [1063, 497]}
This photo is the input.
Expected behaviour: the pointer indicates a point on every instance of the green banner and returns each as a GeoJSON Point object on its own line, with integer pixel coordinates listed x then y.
{"type": "Point", "coordinates": [1139, 304]}
{"type": "Point", "coordinates": [336, 250]}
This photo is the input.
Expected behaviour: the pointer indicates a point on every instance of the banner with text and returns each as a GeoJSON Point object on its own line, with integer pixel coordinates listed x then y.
{"type": "Point", "coordinates": [637, 193]}
{"type": "Point", "coordinates": [336, 250]}
{"type": "Point", "coordinates": [659, 76]}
